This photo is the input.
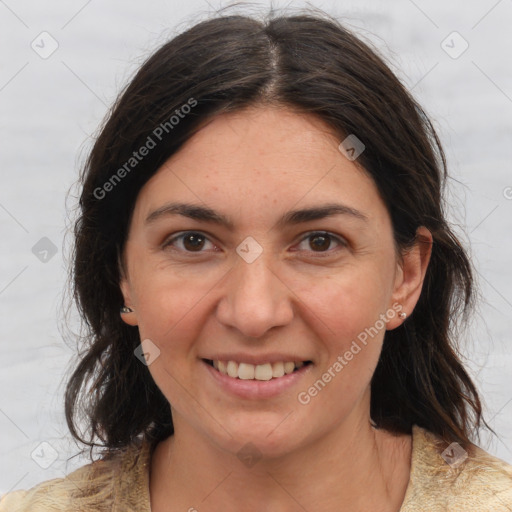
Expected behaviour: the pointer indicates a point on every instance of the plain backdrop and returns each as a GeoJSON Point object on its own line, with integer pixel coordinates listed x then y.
{"type": "Point", "coordinates": [62, 64]}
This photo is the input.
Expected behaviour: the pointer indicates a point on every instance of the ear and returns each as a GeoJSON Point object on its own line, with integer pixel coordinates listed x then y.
{"type": "Point", "coordinates": [126, 290]}
{"type": "Point", "coordinates": [410, 275]}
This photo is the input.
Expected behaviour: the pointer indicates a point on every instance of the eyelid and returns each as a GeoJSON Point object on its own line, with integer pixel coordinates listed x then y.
{"type": "Point", "coordinates": [179, 235]}
{"type": "Point", "coordinates": [342, 241]}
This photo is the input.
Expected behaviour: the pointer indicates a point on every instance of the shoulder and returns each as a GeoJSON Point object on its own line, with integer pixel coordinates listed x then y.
{"type": "Point", "coordinates": [445, 477]}
{"type": "Point", "coordinates": [119, 481]}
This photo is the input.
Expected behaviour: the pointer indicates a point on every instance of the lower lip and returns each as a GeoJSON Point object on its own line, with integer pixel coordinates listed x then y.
{"type": "Point", "coordinates": [256, 389]}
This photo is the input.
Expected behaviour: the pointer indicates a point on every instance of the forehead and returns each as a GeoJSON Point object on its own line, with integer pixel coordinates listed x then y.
{"type": "Point", "coordinates": [261, 160]}
{"type": "Point", "coordinates": [262, 137]}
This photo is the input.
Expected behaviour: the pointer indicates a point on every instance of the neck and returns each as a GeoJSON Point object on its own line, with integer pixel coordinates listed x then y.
{"type": "Point", "coordinates": [353, 468]}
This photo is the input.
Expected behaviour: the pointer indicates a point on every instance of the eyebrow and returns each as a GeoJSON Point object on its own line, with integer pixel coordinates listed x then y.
{"type": "Point", "coordinates": [205, 214]}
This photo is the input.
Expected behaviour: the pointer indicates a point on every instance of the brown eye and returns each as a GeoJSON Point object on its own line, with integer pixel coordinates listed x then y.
{"type": "Point", "coordinates": [189, 241]}
{"type": "Point", "coordinates": [193, 241]}
{"type": "Point", "coordinates": [321, 242]}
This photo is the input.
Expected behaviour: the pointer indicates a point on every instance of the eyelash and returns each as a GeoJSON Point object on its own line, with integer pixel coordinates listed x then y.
{"type": "Point", "coordinates": [311, 234]}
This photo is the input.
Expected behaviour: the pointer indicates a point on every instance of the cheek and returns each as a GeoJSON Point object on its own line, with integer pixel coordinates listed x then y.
{"type": "Point", "coordinates": [172, 312]}
{"type": "Point", "coordinates": [172, 308]}
{"type": "Point", "coordinates": [345, 311]}
{"type": "Point", "coordinates": [346, 303]}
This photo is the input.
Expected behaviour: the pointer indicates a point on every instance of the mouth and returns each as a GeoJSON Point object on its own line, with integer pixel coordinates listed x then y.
{"type": "Point", "coordinates": [259, 372]}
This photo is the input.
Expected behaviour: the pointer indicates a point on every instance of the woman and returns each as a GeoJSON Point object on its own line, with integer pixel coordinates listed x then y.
{"type": "Point", "coordinates": [271, 289]}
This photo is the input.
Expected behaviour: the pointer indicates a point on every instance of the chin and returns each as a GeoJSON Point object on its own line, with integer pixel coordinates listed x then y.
{"type": "Point", "coordinates": [261, 439]}
{"type": "Point", "coordinates": [260, 448]}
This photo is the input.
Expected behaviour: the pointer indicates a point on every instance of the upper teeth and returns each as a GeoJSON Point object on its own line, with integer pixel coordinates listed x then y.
{"type": "Point", "coordinates": [248, 371]}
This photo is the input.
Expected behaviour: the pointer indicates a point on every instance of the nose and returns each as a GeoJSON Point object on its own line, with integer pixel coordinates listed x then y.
{"type": "Point", "coordinates": [254, 299]}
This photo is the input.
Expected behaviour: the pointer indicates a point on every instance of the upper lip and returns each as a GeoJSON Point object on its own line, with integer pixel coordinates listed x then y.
{"type": "Point", "coordinates": [256, 359]}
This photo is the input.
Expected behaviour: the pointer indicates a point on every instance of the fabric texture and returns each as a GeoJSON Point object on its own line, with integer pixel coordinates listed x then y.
{"type": "Point", "coordinates": [120, 483]}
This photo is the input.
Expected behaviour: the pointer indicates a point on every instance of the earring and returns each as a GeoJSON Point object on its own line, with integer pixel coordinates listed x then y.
{"type": "Point", "coordinates": [126, 309]}
{"type": "Point", "coordinates": [402, 315]}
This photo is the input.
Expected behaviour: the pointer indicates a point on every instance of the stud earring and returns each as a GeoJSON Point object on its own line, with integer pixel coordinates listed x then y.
{"type": "Point", "coordinates": [402, 315]}
{"type": "Point", "coordinates": [126, 309]}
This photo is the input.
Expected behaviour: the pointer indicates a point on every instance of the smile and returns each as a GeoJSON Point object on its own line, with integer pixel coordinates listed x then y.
{"type": "Point", "coordinates": [247, 371]}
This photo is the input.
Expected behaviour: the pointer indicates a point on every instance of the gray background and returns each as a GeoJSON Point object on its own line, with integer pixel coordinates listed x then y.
{"type": "Point", "coordinates": [51, 107]}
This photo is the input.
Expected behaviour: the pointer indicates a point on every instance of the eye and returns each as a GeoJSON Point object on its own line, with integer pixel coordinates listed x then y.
{"type": "Point", "coordinates": [195, 242]}
{"type": "Point", "coordinates": [320, 241]}
{"type": "Point", "coordinates": [189, 241]}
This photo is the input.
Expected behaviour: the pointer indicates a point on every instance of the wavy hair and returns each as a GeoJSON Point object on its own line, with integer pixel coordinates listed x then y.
{"type": "Point", "coordinates": [312, 64]}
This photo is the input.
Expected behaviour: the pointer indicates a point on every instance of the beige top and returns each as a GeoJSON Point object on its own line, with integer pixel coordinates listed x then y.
{"type": "Point", "coordinates": [482, 483]}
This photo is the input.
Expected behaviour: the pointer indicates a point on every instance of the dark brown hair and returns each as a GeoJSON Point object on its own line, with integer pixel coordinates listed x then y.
{"type": "Point", "coordinates": [312, 64]}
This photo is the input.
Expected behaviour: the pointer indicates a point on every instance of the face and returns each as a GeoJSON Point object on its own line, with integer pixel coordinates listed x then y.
{"type": "Point", "coordinates": [283, 261]}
